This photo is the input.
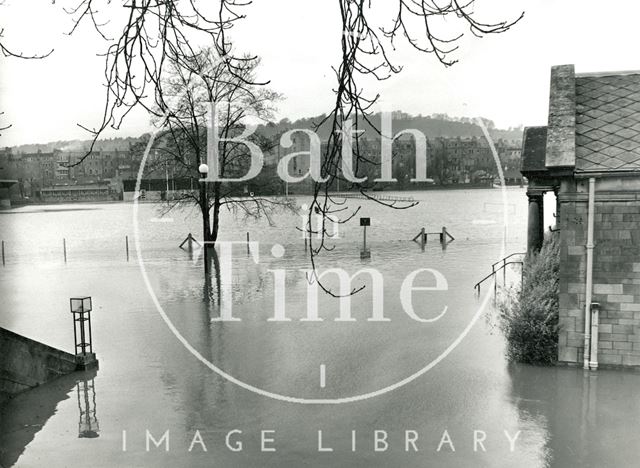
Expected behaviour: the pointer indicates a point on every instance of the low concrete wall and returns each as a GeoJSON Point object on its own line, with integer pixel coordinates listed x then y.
{"type": "Point", "coordinates": [25, 364]}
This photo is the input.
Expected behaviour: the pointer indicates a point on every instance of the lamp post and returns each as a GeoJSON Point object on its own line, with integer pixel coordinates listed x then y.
{"type": "Point", "coordinates": [83, 341]}
{"type": "Point", "coordinates": [203, 169]}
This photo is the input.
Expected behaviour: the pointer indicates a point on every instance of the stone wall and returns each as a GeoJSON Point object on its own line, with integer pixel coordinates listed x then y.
{"type": "Point", "coordinates": [25, 363]}
{"type": "Point", "coordinates": [616, 272]}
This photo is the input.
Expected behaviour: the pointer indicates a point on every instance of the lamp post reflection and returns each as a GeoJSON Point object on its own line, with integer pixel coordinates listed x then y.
{"type": "Point", "coordinates": [88, 427]}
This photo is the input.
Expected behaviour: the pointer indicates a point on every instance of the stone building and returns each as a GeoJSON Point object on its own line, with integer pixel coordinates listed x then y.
{"type": "Point", "coordinates": [589, 155]}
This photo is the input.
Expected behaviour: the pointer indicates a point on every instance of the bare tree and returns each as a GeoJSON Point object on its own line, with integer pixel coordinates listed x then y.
{"type": "Point", "coordinates": [156, 31]}
{"type": "Point", "coordinates": [10, 52]}
{"type": "Point", "coordinates": [366, 52]}
{"type": "Point", "coordinates": [4, 126]}
{"type": "Point", "coordinates": [191, 84]}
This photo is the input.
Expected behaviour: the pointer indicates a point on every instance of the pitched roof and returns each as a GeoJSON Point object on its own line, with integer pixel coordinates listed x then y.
{"type": "Point", "coordinates": [608, 122]}
{"type": "Point", "coordinates": [534, 143]}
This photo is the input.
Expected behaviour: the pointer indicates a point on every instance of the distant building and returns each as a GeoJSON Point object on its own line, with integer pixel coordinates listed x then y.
{"type": "Point", "coordinates": [158, 189]}
{"type": "Point", "coordinates": [74, 193]}
{"type": "Point", "coordinates": [37, 171]}
{"type": "Point", "coordinates": [6, 189]}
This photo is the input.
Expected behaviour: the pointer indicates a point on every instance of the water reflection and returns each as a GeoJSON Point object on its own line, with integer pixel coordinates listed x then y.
{"type": "Point", "coordinates": [213, 271]}
{"type": "Point", "coordinates": [164, 387]}
{"type": "Point", "coordinates": [205, 392]}
{"type": "Point", "coordinates": [88, 426]}
{"type": "Point", "coordinates": [26, 414]}
{"type": "Point", "coordinates": [581, 417]}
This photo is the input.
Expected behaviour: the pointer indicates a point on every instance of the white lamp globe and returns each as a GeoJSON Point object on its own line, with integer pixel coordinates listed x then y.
{"type": "Point", "coordinates": [203, 169]}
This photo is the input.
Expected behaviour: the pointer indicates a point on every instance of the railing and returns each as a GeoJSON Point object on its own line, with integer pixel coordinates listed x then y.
{"type": "Point", "coordinates": [373, 196]}
{"type": "Point", "coordinates": [64, 248]}
{"type": "Point", "coordinates": [496, 267]}
{"type": "Point", "coordinates": [443, 235]}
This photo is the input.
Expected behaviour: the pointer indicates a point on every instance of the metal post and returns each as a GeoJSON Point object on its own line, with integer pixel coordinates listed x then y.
{"type": "Point", "coordinates": [495, 283]}
{"type": "Point", "coordinates": [126, 241]}
{"type": "Point", "coordinates": [423, 238]}
{"type": "Point", "coordinates": [90, 335]}
{"type": "Point", "coordinates": [305, 233]}
{"type": "Point", "coordinates": [589, 272]}
{"type": "Point", "coordinates": [504, 272]}
{"type": "Point", "coordinates": [365, 253]}
{"type": "Point", "coordinates": [365, 239]}
{"type": "Point", "coordinates": [447, 233]}
{"type": "Point", "coordinates": [75, 333]}
{"type": "Point", "coordinates": [82, 337]}
{"type": "Point", "coordinates": [64, 249]}
{"type": "Point", "coordinates": [2, 253]}
{"type": "Point", "coordinates": [595, 315]}
{"type": "Point", "coordinates": [248, 251]}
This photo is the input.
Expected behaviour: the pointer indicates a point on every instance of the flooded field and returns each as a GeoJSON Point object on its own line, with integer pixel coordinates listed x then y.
{"type": "Point", "coordinates": [432, 388]}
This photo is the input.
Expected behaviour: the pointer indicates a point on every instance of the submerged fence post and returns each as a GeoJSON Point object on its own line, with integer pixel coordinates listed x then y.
{"type": "Point", "coordinates": [189, 240]}
{"type": "Point", "coordinates": [495, 283]}
{"type": "Point", "coordinates": [504, 272]}
{"type": "Point", "coordinates": [305, 235]}
{"type": "Point", "coordinates": [365, 253]}
{"type": "Point", "coordinates": [446, 234]}
{"type": "Point", "coordinates": [423, 238]}
{"type": "Point", "coordinates": [126, 242]}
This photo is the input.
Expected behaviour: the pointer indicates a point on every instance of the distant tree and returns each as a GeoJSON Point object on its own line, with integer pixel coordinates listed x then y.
{"type": "Point", "coordinates": [490, 124]}
{"type": "Point", "coordinates": [153, 31]}
{"type": "Point", "coordinates": [191, 84]}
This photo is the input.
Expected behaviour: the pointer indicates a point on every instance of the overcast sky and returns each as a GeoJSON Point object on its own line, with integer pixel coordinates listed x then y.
{"type": "Point", "coordinates": [503, 77]}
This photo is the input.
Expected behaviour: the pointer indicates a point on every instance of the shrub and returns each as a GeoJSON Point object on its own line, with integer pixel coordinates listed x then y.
{"type": "Point", "coordinates": [529, 317]}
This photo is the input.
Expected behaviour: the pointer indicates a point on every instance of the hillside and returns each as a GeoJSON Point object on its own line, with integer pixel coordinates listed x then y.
{"type": "Point", "coordinates": [108, 144]}
{"type": "Point", "coordinates": [434, 126]}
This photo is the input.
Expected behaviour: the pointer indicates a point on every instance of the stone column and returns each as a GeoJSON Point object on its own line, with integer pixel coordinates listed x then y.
{"type": "Point", "coordinates": [556, 191]}
{"type": "Point", "coordinates": [535, 220]}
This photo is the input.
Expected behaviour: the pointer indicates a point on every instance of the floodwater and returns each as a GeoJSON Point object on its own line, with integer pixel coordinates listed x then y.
{"type": "Point", "coordinates": [157, 338]}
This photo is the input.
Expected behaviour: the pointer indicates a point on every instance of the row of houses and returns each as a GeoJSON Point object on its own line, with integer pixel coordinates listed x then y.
{"type": "Point", "coordinates": [46, 169]}
{"type": "Point", "coordinates": [449, 160]}
{"type": "Point", "coordinates": [59, 175]}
